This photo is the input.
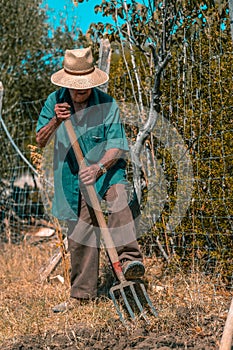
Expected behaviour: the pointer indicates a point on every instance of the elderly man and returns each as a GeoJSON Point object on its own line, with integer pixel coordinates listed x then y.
{"type": "Point", "coordinates": [101, 136]}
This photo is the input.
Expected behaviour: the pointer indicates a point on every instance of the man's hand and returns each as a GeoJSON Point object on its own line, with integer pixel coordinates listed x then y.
{"type": "Point", "coordinates": [89, 175]}
{"type": "Point", "coordinates": [62, 111]}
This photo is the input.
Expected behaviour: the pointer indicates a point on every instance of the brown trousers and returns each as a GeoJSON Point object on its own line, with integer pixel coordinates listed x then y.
{"type": "Point", "coordinates": [84, 241]}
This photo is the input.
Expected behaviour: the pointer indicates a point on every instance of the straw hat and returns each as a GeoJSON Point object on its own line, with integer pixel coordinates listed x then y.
{"type": "Point", "coordinates": [79, 71]}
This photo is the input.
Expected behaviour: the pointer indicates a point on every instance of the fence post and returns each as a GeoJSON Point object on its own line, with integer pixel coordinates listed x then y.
{"type": "Point", "coordinates": [231, 17]}
{"type": "Point", "coordinates": [104, 59]}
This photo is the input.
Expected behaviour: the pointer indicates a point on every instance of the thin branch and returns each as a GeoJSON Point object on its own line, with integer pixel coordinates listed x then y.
{"type": "Point", "coordinates": [126, 64]}
{"type": "Point", "coordinates": [130, 32]}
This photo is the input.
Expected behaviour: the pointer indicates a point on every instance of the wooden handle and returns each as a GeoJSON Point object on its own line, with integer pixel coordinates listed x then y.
{"type": "Point", "coordinates": [75, 144]}
{"type": "Point", "coordinates": [226, 340]}
{"type": "Point", "coordinates": [90, 189]}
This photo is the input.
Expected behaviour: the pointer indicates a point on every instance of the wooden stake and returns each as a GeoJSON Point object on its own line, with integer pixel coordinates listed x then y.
{"type": "Point", "coordinates": [52, 263]}
{"type": "Point", "coordinates": [104, 59]}
{"type": "Point", "coordinates": [226, 340]}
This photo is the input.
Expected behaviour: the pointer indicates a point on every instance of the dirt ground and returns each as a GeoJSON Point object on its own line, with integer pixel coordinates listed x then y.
{"type": "Point", "coordinates": [87, 339]}
{"type": "Point", "coordinates": [192, 310]}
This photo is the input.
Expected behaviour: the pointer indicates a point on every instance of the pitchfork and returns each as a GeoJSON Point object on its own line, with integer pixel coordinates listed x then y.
{"type": "Point", "coordinates": [126, 291]}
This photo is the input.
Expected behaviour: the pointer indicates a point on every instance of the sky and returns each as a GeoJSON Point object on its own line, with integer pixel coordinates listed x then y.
{"type": "Point", "coordinates": [84, 12]}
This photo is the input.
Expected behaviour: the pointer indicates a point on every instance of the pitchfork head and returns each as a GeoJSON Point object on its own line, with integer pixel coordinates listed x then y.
{"type": "Point", "coordinates": [132, 297]}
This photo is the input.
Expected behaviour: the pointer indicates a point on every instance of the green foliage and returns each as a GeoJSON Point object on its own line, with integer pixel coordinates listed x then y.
{"type": "Point", "coordinates": [23, 45]}
{"type": "Point", "coordinates": [28, 54]}
{"type": "Point", "coordinates": [154, 29]}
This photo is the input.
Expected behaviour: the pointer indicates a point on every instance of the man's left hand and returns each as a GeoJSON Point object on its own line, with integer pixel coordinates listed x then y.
{"type": "Point", "coordinates": [89, 175]}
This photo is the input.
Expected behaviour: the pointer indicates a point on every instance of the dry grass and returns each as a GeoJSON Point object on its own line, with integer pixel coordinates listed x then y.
{"type": "Point", "coordinates": [190, 305]}
{"type": "Point", "coordinates": [26, 304]}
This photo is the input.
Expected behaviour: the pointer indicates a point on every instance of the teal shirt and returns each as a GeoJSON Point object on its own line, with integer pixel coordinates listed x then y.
{"type": "Point", "coordinates": [98, 129]}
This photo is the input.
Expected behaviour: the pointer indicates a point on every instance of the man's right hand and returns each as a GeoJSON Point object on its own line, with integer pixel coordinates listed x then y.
{"type": "Point", "coordinates": [62, 111]}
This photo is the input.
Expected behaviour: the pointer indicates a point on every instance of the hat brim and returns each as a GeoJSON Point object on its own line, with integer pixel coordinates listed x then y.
{"type": "Point", "coordinates": [72, 81]}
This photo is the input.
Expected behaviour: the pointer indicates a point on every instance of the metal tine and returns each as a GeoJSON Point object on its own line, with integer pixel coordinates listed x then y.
{"type": "Point", "coordinates": [120, 288]}
{"type": "Point", "coordinates": [116, 306]}
{"type": "Point", "coordinates": [153, 310]}
{"type": "Point", "coordinates": [139, 305]}
{"type": "Point", "coordinates": [127, 303]}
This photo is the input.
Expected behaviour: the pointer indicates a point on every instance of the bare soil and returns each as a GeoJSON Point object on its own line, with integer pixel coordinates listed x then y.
{"type": "Point", "coordinates": [86, 338]}
{"type": "Point", "coordinates": [192, 309]}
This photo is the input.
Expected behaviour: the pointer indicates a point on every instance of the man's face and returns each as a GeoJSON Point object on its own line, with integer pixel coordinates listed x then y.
{"type": "Point", "coordinates": [80, 96]}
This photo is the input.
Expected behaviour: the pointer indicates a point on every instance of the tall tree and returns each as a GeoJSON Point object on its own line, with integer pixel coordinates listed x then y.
{"type": "Point", "coordinates": [30, 49]}
{"type": "Point", "coordinates": [23, 32]}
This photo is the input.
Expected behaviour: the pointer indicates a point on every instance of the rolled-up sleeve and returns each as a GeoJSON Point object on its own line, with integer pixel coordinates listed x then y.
{"type": "Point", "coordinates": [47, 112]}
{"type": "Point", "coordinates": [114, 130]}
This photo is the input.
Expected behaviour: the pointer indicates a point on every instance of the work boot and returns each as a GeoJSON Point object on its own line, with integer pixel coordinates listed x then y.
{"type": "Point", "coordinates": [133, 269]}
